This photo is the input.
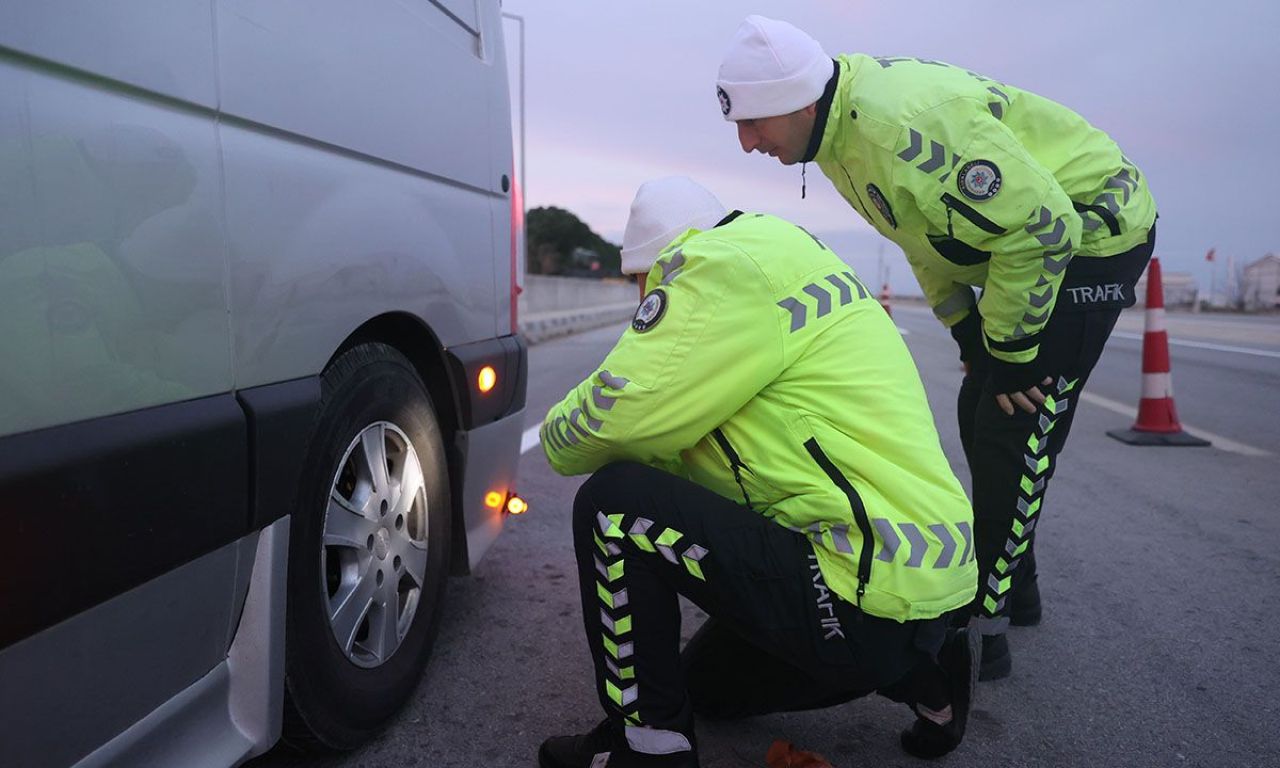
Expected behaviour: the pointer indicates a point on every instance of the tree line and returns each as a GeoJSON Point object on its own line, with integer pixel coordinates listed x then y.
{"type": "Point", "coordinates": [559, 243]}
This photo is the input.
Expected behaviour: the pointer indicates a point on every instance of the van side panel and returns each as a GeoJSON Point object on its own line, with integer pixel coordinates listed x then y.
{"type": "Point", "coordinates": [358, 152]}
{"type": "Point", "coordinates": [112, 266]}
{"type": "Point", "coordinates": [395, 80]}
{"type": "Point", "coordinates": [321, 242]}
{"type": "Point", "coordinates": [161, 46]}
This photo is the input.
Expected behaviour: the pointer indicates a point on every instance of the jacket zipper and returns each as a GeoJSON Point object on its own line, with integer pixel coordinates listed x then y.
{"type": "Point", "coordinates": [855, 504]}
{"type": "Point", "coordinates": [981, 222]}
{"type": "Point", "coordinates": [735, 463]}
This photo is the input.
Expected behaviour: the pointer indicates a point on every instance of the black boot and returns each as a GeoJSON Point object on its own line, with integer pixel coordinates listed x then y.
{"type": "Point", "coordinates": [1024, 610]}
{"type": "Point", "coordinates": [997, 662]}
{"type": "Point", "coordinates": [610, 739]}
{"type": "Point", "coordinates": [959, 658]}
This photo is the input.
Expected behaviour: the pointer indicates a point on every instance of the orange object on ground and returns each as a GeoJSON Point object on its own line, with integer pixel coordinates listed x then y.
{"type": "Point", "coordinates": [884, 299]}
{"type": "Point", "coordinates": [1157, 422]}
{"type": "Point", "coordinates": [783, 754]}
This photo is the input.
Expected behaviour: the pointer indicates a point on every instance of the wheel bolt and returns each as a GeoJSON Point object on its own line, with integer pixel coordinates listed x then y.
{"type": "Point", "coordinates": [369, 543]}
{"type": "Point", "coordinates": [380, 577]}
{"type": "Point", "coordinates": [399, 522]}
{"type": "Point", "coordinates": [384, 507]}
{"type": "Point", "coordinates": [396, 562]}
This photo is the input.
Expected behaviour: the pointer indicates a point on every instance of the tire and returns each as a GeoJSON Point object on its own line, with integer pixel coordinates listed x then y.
{"type": "Point", "coordinates": [348, 570]}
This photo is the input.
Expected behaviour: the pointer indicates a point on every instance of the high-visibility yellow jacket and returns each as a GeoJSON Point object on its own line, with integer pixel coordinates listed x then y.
{"type": "Point", "coordinates": [981, 184]}
{"type": "Point", "coordinates": [760, 367]}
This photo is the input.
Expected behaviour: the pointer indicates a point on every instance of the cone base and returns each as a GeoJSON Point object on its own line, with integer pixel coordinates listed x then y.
{"type": "Point", "coordinates": [1137, 437]}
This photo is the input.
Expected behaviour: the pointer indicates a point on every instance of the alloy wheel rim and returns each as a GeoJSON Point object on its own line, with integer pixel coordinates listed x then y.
{"type": "Point", "coordinates": [373, 553]}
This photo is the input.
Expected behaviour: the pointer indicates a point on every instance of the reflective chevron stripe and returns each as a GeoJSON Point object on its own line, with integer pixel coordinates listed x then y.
{"type": "Point", "coordinates": [913, 151]}
{"type": "Point", "coordinates": [822, 296]}
{"type": "Point", "coordinates": [840, 539]}
{"type": "Point", "coordinates": [966, 531]}
{"type": "Point", "coordinates": [918, 545]}
{"type": "Point", "coordinates": [613, 382]}
{"type": "Point", "coordinates": [1029, 501]}
{"type": "Point", "coordinates": [958, 301]}
{"type": "Point", "coordinates": [846, 295]}
{"type": "Point", "coordinates": [692, 558]}
{"type": "Point", "coordinates": [671, 266]}
{"type": "Point", "coordinates": [1043, 219]}
{"type": "Point", "coordinates": [1055, 236]}
{"type": "Point", "coordinates": [601, 401]}
{"type": "Point", "coordinates": [936, 159]}
{"type": "Point", "coordinates": [668, 537]}
{"type": "Point", "coordinates": [889, 539]}
{"type": "Point", "coordinates": [893, 534]}
{"type": "Point", "coordinates": [639, 534]}
{"type": "Point", "coordinates": [948, 545]}
{"type": "Point", "coordinates": [799, 314]}
{"type": "Point", "coordinates": [616, 623]}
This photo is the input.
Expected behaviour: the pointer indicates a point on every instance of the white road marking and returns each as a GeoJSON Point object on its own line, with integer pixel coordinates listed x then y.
{"type": "Point", "coordinates": [529, 440]}
{"type": "Point", "coordinates": [1218, 441]}
{"type": "Point", "coordinates": [903, 331]}
{"type": "Point", "coordinates": [1204, 345]}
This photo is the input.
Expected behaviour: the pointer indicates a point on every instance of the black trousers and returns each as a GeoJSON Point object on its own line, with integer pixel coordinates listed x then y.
{"type": "Point", "coordinates": [1012, 458]}
{"type": "Point", "coordinates": [778, 638]}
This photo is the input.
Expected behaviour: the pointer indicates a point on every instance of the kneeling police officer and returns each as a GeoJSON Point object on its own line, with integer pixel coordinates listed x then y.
{"type": "Point", "coordinates": [761, 443]}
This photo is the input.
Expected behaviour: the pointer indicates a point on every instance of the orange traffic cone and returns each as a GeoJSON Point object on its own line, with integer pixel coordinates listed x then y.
{"type": "Point", "coordinates": [884, 299]}
{"type": "Point", "coordinates": [1157, 422]}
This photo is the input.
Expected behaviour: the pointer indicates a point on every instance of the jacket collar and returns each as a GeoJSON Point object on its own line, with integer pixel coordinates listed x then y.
{"type": "Point", "coordinates": [824, 109]}
{"type": "Point", "coordinates": [840, 115]}
{"type": "Point", "coordinates": [735, 214]}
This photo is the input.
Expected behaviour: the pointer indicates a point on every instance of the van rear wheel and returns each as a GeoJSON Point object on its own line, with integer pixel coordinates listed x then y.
{"type": "Point", "coordinates": [368, 554]}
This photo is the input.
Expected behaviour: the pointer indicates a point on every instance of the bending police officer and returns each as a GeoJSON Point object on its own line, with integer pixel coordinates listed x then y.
{"type": "Point", "coordinates": [982, 185]}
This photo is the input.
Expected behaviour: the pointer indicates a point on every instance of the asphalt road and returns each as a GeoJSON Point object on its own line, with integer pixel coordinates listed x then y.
{"type": "Point", "coordinates": [1160, 571]}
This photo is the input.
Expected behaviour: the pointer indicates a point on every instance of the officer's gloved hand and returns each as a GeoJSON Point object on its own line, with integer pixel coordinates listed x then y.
{"type": "Point", "coordinates": [1018, 384]}
{"type": "Point", "coordinates": [968, 335]}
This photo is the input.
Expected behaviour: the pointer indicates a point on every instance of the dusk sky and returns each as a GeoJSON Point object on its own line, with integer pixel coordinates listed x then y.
{"type": "Point", "coordinates": [619, 93]}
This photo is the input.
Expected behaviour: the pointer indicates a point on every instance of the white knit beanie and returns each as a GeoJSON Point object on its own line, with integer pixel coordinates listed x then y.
{"type": "Point", "coordinates": [662, 211]}
{"type": "Point", "coordinates": [771, 68]}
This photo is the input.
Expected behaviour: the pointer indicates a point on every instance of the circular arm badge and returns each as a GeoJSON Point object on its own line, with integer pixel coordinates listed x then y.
{"type": "Point", "coordinates": [979, 180]}
{"type": "Point", "coordinates": [651, 310]}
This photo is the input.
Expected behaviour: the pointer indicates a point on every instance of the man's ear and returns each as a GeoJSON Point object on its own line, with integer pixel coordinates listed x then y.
{"type": "Point", "coordinates": [811, 110]}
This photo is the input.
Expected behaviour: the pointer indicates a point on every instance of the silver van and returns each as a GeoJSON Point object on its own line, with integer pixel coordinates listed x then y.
{"type": "Point", "coordinates": [260, 383]}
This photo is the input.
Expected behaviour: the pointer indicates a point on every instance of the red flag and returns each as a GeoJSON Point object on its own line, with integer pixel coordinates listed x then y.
{"type": "Point", "coordinates": [1209, 256]}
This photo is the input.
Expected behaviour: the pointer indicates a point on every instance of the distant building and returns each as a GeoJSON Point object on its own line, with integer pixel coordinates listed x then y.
{"type": "Point", "coordinates": [1261, 283]}
{"type": "Point", "coordinates": [1180, 289]}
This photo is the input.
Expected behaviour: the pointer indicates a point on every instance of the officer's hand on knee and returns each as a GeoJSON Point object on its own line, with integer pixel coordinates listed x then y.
{"type": "Point", "coordinates": [1028, 401]}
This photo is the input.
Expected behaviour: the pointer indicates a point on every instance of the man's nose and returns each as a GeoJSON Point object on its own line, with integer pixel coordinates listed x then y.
{"type": "Point", "coordinates": [748, 137]}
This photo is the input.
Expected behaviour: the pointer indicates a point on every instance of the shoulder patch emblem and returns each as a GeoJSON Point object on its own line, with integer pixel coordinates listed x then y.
{"type": "Point", "coordinates": [979, 180]}
{"type": "Point", "coordinates": [881, 204]}
{"type": "Point", "coordinates": [725, 104]}
{"type": "Point", "coordinates": [651, 310]}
